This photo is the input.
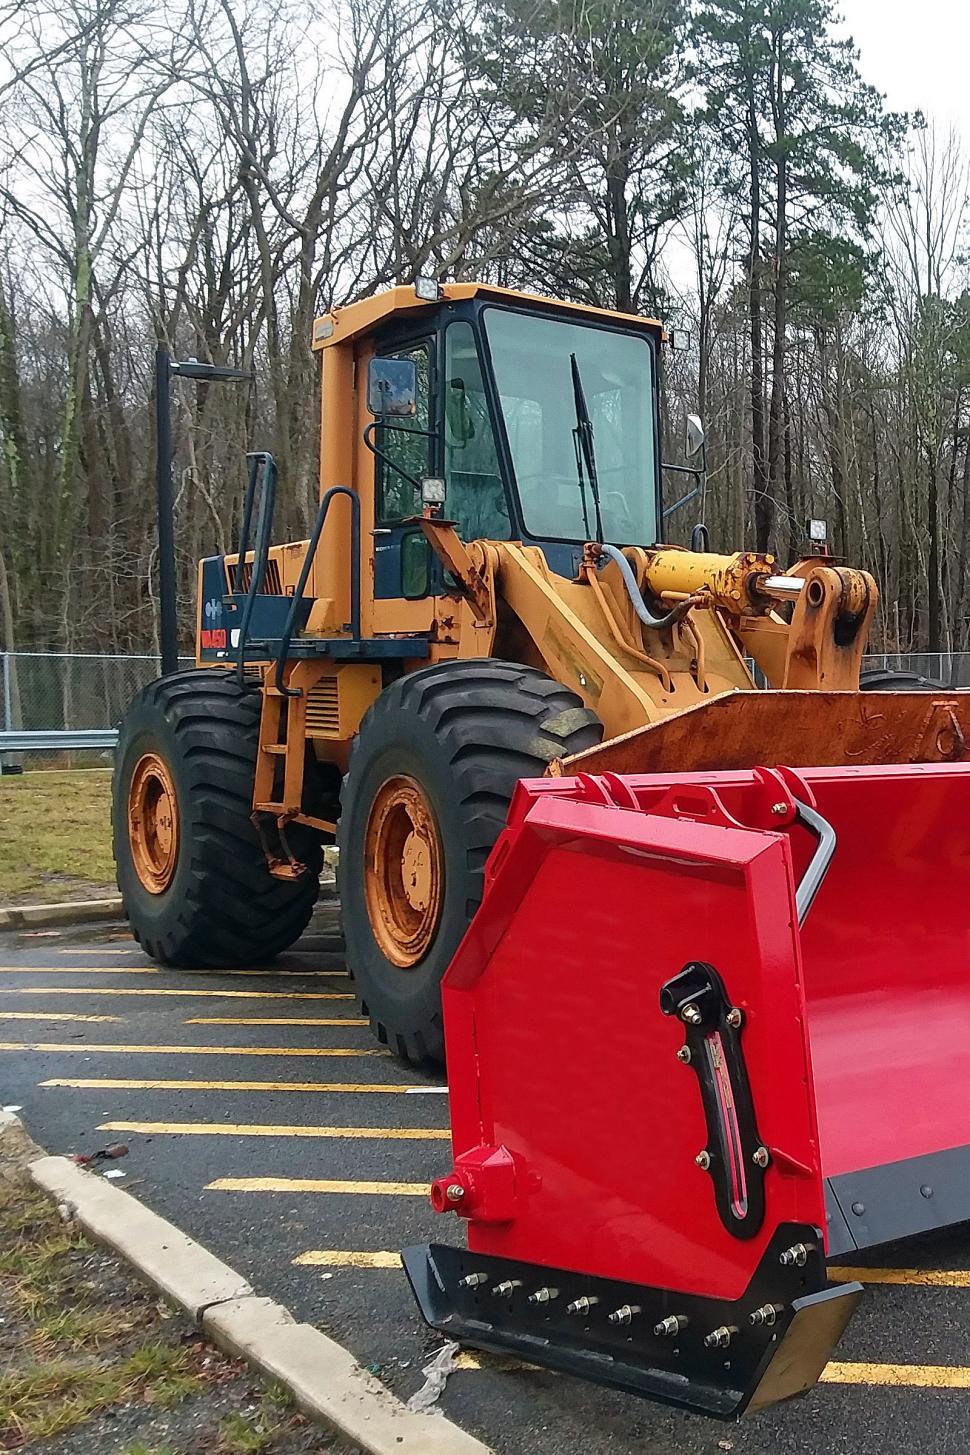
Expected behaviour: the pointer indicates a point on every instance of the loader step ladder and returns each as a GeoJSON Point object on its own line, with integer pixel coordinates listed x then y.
{"type": "Point", "coordinates": [278, 789]}
{"type": "Point", "coordinates": [278, 795]}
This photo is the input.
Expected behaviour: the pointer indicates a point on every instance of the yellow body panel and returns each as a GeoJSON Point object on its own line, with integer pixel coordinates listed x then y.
{"type": "Point", "coordinates": [336, 328]}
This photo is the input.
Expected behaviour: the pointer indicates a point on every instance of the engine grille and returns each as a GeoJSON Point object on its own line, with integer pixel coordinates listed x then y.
{"type": "Point", "coordinates": [239, 577]}
{"type": "Point", "coordinates": [323, 710]}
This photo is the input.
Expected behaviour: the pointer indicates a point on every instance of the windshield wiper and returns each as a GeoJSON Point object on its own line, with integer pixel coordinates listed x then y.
{"type": "Point", "coordinates": [583, 442]}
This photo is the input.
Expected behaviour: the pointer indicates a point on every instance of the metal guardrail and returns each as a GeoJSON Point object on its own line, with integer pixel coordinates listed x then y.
{"type": "Point", "coordinates": [57, 740]}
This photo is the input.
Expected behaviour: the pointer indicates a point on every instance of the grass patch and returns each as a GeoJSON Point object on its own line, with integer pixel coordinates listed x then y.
{"type": "Point", "coordinates": [82, 1338]}
{"type": "Point", "coordinates": [55, 836]}
{"type": "Point", "coordinates": [39, 1402]}
{"type": "Point", "coordinates": [83, 1342]}
{"type": "Point", "coordinates": [256, 1431]}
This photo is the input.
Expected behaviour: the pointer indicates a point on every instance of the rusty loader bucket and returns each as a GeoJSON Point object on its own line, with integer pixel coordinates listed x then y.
{"type": "Point", "coordinates": [705, 1030]}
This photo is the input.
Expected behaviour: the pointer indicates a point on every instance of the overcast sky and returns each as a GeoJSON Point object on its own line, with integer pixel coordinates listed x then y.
{"type": "Point", "coordinates": [917, 54]}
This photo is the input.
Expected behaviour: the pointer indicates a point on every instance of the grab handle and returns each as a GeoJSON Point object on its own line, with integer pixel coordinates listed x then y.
{"type": "Point", "coordinates": [811, 880]}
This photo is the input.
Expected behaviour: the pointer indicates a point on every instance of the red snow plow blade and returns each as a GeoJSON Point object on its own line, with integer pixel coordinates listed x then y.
{"type": "Point", "coordinates": [704, 1030]}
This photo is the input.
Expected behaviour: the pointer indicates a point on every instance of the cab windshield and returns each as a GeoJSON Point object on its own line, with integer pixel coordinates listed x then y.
{"type": "Point", "coordinates": [531, 358]}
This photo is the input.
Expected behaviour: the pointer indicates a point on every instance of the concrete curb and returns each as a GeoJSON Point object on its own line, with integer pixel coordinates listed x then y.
{"type": "Point", "coordinates": [89, 911]}
{"type": "Point", "coordinates": [324, 1378]}
{"type": "Point", "coordinates": [186, 1273]}
{"type": "Point", "coordinates": [17, 1148]}
{"type": "Point", "coordinates": [81, 911]}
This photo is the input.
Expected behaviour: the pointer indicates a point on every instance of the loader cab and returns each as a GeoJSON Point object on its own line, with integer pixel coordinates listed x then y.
{"type": "Point", "coordinates": [495, 418]}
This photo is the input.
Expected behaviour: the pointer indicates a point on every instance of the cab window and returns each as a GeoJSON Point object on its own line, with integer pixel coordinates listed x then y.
{"type": "Point", "coordinates": [406, 454]}
{"type": "Point", "coordinates": [532, 356]}
{"type": "Point", "coordinates": [476, 499]}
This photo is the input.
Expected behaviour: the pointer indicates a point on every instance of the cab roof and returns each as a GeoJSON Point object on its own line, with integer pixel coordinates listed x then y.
{"type": "Point", "coordinates": [343, 324]}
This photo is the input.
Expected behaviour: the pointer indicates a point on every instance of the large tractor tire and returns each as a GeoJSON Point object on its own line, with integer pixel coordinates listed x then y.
{"type": "Point", "coordinates": [430, 779]}
{"type": "Point", "coordinates": [191, 869]}
{"type": "Point", "coordinates": [887, 679]}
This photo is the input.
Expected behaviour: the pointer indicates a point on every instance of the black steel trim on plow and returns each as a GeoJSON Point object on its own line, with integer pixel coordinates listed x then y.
{"type": "Point", "coordinates": [714, 1356]}
{"type": "Point", "coordinates": [897, 1200]}
{"type": "Point", "coordinates": [734, 1156]}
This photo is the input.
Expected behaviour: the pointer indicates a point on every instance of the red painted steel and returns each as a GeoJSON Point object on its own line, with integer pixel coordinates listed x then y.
{"type": "Point", "coordinates": [561, 1062]}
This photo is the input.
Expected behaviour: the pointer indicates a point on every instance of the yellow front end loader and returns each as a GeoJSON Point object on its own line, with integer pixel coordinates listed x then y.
{"type": "Point", "coordinates": [695, 948]}
{"type": "Point", "coordinates": [482, 600]}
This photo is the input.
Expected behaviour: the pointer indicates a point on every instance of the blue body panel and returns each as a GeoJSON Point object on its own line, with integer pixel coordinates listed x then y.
{"type": "Point", "coordinates": [221, 614]}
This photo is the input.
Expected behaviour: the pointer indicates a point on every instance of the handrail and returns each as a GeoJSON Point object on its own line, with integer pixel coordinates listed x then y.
{"type": "Point", "coordinates": [267, 504]}
{"type": "Point", "coordinates": [247, 514]}
{"type": "Point", "coordinates": [305, 572]}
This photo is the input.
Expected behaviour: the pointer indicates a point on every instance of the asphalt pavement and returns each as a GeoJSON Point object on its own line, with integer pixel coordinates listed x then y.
{"type": "Point", "coordinates": [263, 1119]}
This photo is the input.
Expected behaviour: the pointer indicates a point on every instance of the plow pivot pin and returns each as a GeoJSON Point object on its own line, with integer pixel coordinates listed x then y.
{"type": "Point", "coordinates": [779, 808]}
{"type": "Point", "coordinates": [625, 1314]}
{"type": "Point", "coordinates": [766, 1314]}
{"type": "Point", "coordinates": [670, 1326]}
{"type": "Point", "coordinates": [691, 1015]}
{"type": "Point", "coordinates": [472, 1280]}
{"type": "Point", "coordinates": [796, 1256]}
{"type": "Point", "coordinates": [734, 1017]}
{"type": "Point", "coordinates": [581, 1305]}
{"type": "Point", "coordinates": [703, 1160]}
{"type": "Point", "coordinates": [719, 1338]}
{"type": "Point", "coordinates": [543, 1295]}
{"type": "Point", "coordinates": [684, 1054]}
{"type": "Point", "coordinates": [509, 1285]}
{"type": "Point", "coordinates": [454, 1192]}
{"type": "Point", "coordinates": [762, 1157]}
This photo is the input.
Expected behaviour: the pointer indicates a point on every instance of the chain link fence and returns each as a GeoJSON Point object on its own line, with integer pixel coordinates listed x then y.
{"type": "Point", "coordinates": [950, 668]}
{"type": "Point", "coordinates": [64, 691]}
{"type": "Point", "coordinates": [70, 692]}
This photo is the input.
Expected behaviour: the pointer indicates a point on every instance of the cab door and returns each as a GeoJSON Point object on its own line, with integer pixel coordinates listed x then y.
{"type": "Point", "coordinates": [407, 452]}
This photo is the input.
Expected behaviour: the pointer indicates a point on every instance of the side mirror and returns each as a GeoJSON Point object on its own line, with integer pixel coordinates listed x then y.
{"type": "Point", "coordinates": [392, 388]}
{"type": "Point", "coordinates": [694, 436]}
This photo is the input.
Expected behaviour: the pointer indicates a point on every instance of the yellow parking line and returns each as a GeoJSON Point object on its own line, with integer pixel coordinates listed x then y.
{"type": "Point", "coordinates": [338, 1258]}
{"type": "Point", "coordinates": [916, 1376]}
{"type": "Point", "coordinates": [262, 1129]}
{"type": "Point", "coordinates": [91, 1047]}
{"type": "Point", "coordinates": [53, 1015]}
{"type": "Point", "coordinates": [923, 1277]}
{"type": "Point", "coordinates": [918, 1277]}
{"type": "Point", "coordinates": [209, 994]}
{"type": "Point", "coordinates": [155, 970]}
{"type": "Point", "coordinates": [110, 1083]}
{"type": "Point", "coordinates": [503, 1363]}
{"type": "Point", "coordinates": [315, 1184]}
{"type": "Point", "coordinates": [82, 969]}
{"type": "Point", "coordinates": [251, 1020]}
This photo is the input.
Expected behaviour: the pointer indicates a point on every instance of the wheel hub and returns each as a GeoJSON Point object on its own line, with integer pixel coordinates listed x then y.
{"type": "Point", "coordinates": [153, 823]}
{"type": "Point", "coordinates": [403, 878]}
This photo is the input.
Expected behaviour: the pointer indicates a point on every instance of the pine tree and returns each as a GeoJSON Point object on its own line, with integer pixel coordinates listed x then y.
{"type": "Point", "coordinates": [802, 135]}
{"type": "Point", "coordinates": [594, 85]}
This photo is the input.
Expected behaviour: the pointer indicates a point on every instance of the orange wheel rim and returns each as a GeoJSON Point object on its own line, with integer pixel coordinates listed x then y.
{"type": "Point", "coordinates": [403, 878]}
{"type": "Point", "coordinates": [153, 823]}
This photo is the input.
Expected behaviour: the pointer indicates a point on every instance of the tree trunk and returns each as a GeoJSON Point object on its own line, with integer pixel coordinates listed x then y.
{"type": "Point", "coordinates": [763, 504]}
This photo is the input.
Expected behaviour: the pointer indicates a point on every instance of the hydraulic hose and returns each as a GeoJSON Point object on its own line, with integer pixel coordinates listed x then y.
{"type": "Point", "coordinates": [656, 623]}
